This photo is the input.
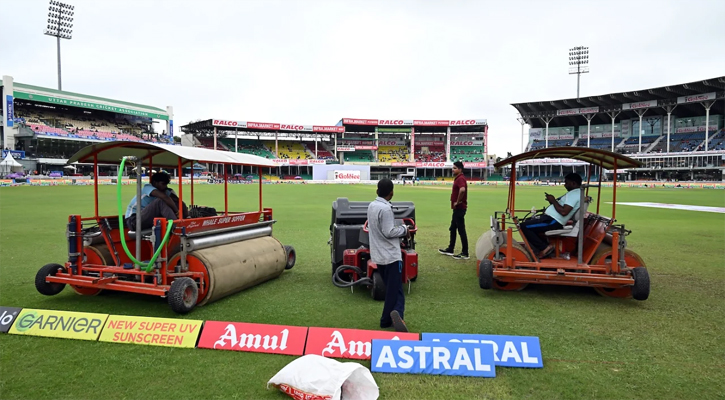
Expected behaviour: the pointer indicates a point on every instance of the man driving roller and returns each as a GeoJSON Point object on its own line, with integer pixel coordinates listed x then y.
{"type": "Point", "coordinates": [554, 217]}
{"type": "Point", "coordinates": [157, 201]}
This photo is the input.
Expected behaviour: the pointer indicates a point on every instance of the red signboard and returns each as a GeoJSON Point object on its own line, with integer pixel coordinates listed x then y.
{"type": "Point", "coordinates": [474, 165]}
{"type": "Point", "coordinates": [424, 122]}
{"type": "Point", "coordinates": [357, 121]}
{"type": "Point", "coordinates": [348, 343]}
{"type": "Point", "coordinates": [258, 338]}
{"type": "Point", "coordinates": [333, 129]}
{"type": "Point", "coordinates": [262, 125]}
{"type": "Point", "coordinates": [366, 147]}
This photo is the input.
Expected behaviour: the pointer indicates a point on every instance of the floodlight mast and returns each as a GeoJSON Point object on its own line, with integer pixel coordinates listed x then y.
{"type": "Point", "coordinates": [60, 25]}
{"type": "Point", "coordinates": [578, 63]}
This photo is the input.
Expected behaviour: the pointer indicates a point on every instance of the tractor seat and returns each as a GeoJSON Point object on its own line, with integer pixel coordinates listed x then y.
{"type": "Point", "coordinates": [571, 230]}
{"type": "Point", "coordinates": [144, 233]}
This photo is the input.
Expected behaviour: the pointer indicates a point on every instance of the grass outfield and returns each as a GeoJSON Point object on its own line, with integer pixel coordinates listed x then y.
{"type": "Point", "coordinates": [668, 347]}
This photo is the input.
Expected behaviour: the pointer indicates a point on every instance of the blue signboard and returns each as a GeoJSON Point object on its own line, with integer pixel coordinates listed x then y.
{"type": "Point", "coordinates": [510, 351]}
{"type": "Point", "coordinates": [15, 153]}
{"type": "Point", "coordinates": [9, 111]}
{"type": "Point", "coordinates": [434, 358]}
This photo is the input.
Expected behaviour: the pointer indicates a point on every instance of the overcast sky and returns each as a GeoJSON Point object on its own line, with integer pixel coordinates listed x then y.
{"type": "Point", "coordinates": [314, 62]}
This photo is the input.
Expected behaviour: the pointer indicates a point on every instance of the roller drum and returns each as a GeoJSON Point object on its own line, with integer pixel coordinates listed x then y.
{"type": "Point", "coordinates": [221, 239]}
{"type": "Point", "coordinates": [236, 266]}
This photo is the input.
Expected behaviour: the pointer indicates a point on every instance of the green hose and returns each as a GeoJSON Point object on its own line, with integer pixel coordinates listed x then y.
{"type": "Point", "coordinates": [150, 265]}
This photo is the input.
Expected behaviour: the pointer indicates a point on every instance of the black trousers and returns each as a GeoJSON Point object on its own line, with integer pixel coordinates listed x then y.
{"type": "Point", "coordinates": [458, 224]}
{"type": "Point", "coordinates": [394, 296]}
{"type": "Point", "coordinates": [533, 227]}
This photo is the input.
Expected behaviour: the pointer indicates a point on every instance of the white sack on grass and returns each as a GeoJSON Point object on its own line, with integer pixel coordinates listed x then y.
{"type": "Point", "coordinates": [314, 377]}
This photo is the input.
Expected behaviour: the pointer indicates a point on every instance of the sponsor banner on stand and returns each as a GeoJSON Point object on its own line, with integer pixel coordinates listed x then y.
{"type": "Point", "coordinates": [348, 343]}
{"type": "Point", "coordinates": [474, 165]}
{"type": "Point", "coordinates": [639, 105]}
{"type": "Point", "coordinates": [568, 136]}
{"type": "Point", "coordinates": [419, 143]}
{"type": "Point", "coordinates": [345, 148]}
{"type": "Point", "coordinates": [59, 324]}
{"type": "Point", "coordinates": [297, 128]}
{"type": "Point", "coordinates": [477, 143]}
{"type": "Point", "coordinates": [257, 338]}
{"type": "Point", "coordinates": [578, 111]}
{"type": "Point", "coordinates": [696, 98]}
{"type": "Point", "coordinates": [468, 122]}
{"type": "Point", "coordinates": [358, 121]}
{"type": "Point", "coordinates": [9, 111]}
{"type": "Point", "coordinates": [433, 358]}
{"type": "Point", "coordinates": [151, 331]}
{"type": "Point", "coordinates": [693, 129]}
{"type": "Point", "coordinates": [393, 130]}
{"type": "Point", "coordinates": [330, 129]}
{"type": "Point", "coordinates": [366, 147]}
{"type": "Point", "coordinates": [426, 122]}
{"type": "Point", "coordinates": [283, 162]}
{"type": "Point", "coordinates": [347, 176]}
{"type": "Point", "coordinates": [391, 142]}
{"type": "Point", "coordinates": [395, 122]}
{"type": "Point", "coordinates": [7, 316]}
{"type": "Point", "coordinates": [509, 351]}
{"type": "Point", "coordinates": [229, 123]}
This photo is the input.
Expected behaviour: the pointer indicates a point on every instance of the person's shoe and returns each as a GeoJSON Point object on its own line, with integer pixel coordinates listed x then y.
{"type": "Point", "coordinates": [447, 252]}
{"type": "Point", "coordinates": [547, 251]}
{"type": "Point", "coordinates": [461, 256]}
{"type": "Point", "coordinates": [398, 322]}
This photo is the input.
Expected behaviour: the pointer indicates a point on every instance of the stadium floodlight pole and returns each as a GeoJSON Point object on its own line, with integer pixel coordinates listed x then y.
{"type": "Point", "coordinates": [522, 121]}
{"type": "Point", "coordinates": [578, 63]}
{"type": "Point", "coordinates": [60, 25]}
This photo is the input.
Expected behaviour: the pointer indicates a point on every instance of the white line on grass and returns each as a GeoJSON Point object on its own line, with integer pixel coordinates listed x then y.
{"type": "Point", "coordinates": [686, 207]}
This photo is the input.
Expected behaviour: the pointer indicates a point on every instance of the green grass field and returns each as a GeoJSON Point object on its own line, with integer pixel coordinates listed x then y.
{"type": "Point", "coordinates": [671, 346]}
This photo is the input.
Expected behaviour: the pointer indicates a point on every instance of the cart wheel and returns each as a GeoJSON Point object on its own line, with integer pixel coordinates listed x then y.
{"type": "Point", "coordinates": [182, 295]}
{"type": "Point", "coordinates": [509, 286]}
{"type": "Point", "coordinates": [378, 290]}
{"type": "Point", "coordinates": [291, 257]}
{"type": "Point", "coordinates": [640, 290]}
{"type": "Point", "coordinates": [85, 291]}
{"type": "Point", "coordinates": [47, 288]}
{"type": "Point", "coordinates": [485, 275]}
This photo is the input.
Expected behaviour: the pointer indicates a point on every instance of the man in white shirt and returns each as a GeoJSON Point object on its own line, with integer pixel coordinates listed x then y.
{"type": "Point", "coordinates": [157, 201]}
{"type": "Point", "coordinates": [555, 216]}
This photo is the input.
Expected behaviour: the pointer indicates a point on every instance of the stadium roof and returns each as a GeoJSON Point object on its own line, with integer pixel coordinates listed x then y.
{"type": "Point", "coordinates": [208, 125]}
{"type": "Point", "coordinates": [603, 158]}
{"type": "Point", "coordinates": [685, 98]}
{"type": "Point", "coordinates": [22, 91]}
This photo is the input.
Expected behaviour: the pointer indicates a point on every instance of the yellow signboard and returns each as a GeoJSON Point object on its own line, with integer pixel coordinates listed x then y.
{"type": "Point", "coordinates": [60, 324]}
{"type": "Point", "coordinates": [151, 331]}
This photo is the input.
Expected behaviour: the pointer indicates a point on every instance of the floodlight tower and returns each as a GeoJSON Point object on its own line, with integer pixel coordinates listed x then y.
{"type": "Point", "coordinates": [60, 25]}
{"type": "Point", "coordinates": [578, 63]}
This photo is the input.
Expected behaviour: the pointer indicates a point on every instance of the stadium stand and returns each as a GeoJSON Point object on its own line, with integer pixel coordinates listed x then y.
{"type": "Point", "coordinates": [290, 150]}
{"type": "Point", "coordinates": [248, 147]}
{"type": "Point", "coordinates": [322, 153]}
{"type": "Point", "coordinates": [392, 153]}
{"type": "Point", "coordinates": [467, 153]}
{"type": "Point", "coordinates": [359, 156]}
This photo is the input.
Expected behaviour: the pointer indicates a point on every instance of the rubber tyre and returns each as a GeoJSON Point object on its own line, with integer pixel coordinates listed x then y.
{"type": "Point", "coordinates": [640, 290]}
{"type": "Point", "coordinates": [378, 290]}
{"type": "Point", "coordinates": [49, 289]}
{"type": "Point", "coordinates": [485, 275]}
{"type": "Point", "coordinates": [183, 295]}
{"type": "Point", "coordinates": [291, 255]}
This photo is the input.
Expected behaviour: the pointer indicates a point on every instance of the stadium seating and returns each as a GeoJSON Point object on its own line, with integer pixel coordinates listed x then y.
{"type": "Point", "coordinates": [631, 145]}
{"type": "Point", "coordinates": [322, 153]}
{"type": "Point", "coordinates": [359, 156]}
{"type": "Point", "coordinates": [393, 153]}
{"type": "Point", "coordinates": [290, 150]}
{"type": "Point", "coordinates": [430, 153]}
{"type": "Point", "coordinates": [248, 147]}
{"type": "Point", "coordinates": [467, 153]}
